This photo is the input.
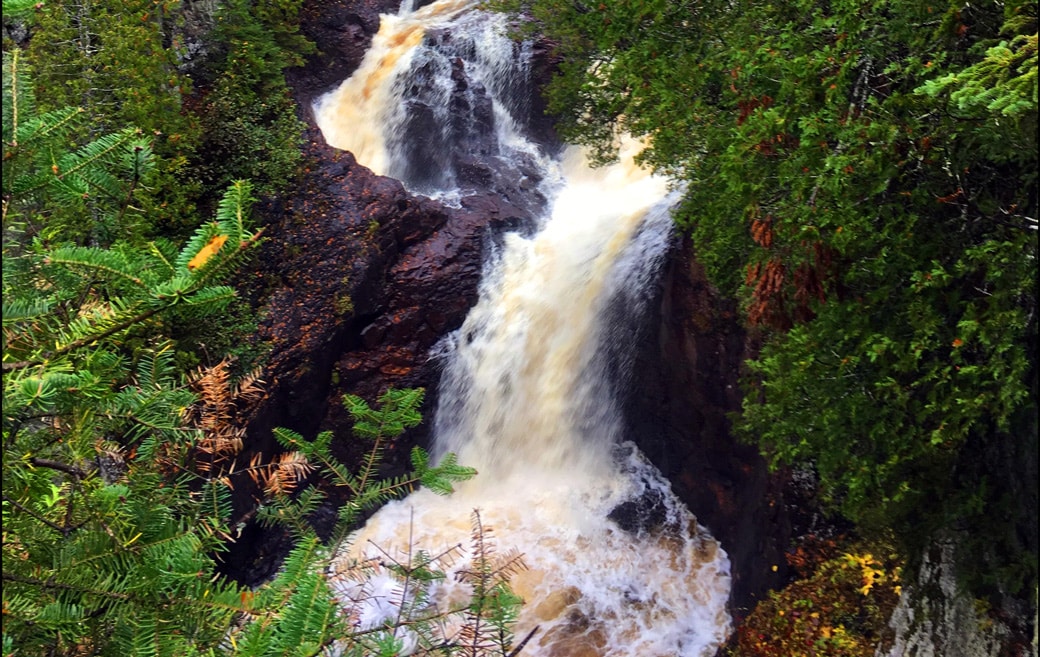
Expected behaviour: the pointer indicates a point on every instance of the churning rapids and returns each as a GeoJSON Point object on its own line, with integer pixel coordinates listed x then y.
{"type": "Point", "coordinates": [527, 395]}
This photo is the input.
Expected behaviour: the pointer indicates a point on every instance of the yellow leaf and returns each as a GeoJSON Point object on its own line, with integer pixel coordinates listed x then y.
{"type": "Point", "coordinates": [207, 252]}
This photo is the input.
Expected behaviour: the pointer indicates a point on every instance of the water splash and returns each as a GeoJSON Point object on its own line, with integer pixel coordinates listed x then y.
{"type": "Point", "coordinates": [618, 566]}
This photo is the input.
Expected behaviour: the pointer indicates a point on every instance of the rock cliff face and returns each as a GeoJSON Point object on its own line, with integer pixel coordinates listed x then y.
{"type": "Point", "coordinates": [935, 618]}
{"type": "Point", "coordinates": [359, 279]}
{"type": "Point", "coordinates": [685, 382]}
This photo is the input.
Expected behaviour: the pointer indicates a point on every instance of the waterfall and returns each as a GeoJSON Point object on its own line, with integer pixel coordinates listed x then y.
{"type": "Point", "coordinates": [617, 565]}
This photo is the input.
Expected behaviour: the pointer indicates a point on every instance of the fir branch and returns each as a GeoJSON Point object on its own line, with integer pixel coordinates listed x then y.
{"type": "Point", "coordinates": [520, 646]}
{"type": "Point", "coordinates": [57, 465]}
{"type": "Point", "coordinates": [64, 531]}
{"type": "Point", "coordinates": [14, 76]}
{"type": "Point", "coordinates": [50, 584]}
{"type": "Point", "coordinates": [84, 341]}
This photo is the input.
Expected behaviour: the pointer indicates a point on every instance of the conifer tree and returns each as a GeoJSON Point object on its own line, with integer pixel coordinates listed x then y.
{"type": "Point", "coordinates": [862, 176]}
{"type": "Point", "coordinates": [108, 534]}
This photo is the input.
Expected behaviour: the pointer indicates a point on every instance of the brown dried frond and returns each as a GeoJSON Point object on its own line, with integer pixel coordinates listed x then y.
{"type": "Point", "coordinates": [249, 389]}
{"type": "Point", "coordinates": [257, 470]}
{"type": "Point", "coordinates": [357, 570]}
{"type": "Point", "coordinates": [470, 636]}
{"type": "Point", "coordinates": [449, 557]}
{"type": "Point", "coordinates": [214, 387]}
{"type": "Point", "coordinates": [752, 273]}
{"type": "Point", "coordinates": [282, 475]}
{"type": "Point", "coordinates": [480, 535]}
{"type": "Point", "coordinates": [217, 413]}
{"type": "Point", "coordinates": [767, 305]}
{"type": "Point", "coordinates": [505, 566]}
{"type": "Point", "coordinates": [762, 231]}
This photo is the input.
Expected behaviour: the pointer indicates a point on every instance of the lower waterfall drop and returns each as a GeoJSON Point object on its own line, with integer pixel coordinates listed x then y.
{"type": "Point", "coordinates": [617, 566]}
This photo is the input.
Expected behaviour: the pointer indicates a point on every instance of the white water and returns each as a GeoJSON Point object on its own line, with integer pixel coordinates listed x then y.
{"type": "Point", "coordinates": [526, 397]}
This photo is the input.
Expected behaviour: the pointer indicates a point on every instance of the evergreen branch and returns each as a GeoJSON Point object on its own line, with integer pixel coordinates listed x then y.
{"type": "Point", "coordinates": [244, 245]}
{"type": "Point", "coordinates": [93, 258]}
{"type": "Point", "coordinates": [93, 152]}
{"type": "Point", "coordinates": [49, 584]}
{"type": "Point", "coordinates": [232, 207]}
{"type": "Point", "coordinates": [56, 122]}
{"type": "Point", "coordinates": [57, 465]}
{"type": "Point", "coordinates": [520, 646]}
{"type": "Point", "coordinates": [115, 595]}
{"type": "Point", "coordinates": [14, 93]}
{"type": "Point", "coordinates": [407, 574]}
{"type": "Point", "coordinates": [84, 341]}
{"type": "Point", "coordinates": [20, 310]}
{"type": "Point", "coordinates": [158, 253]}
{"type": "Point", "coordinates": [135, 178]}
{"type": "Point", "coordinates": [122, 547]}
{"type": "Point", "coordinates": [64, 531]}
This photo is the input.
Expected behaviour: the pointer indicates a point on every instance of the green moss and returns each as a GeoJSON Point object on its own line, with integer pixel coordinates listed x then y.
{"type": "Point", "coordinates": [343, 305]}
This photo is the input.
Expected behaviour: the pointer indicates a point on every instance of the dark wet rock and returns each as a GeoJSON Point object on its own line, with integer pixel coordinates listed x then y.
{"type": "Point", "coordinates": [684, 383]}
{"type": "Point", "coordinates": [644, 514]}
{"type": "Point", "coordinates": [356, 282]}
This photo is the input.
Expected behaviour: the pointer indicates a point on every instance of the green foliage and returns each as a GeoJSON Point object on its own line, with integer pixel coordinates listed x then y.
{"type": "Point", "coordinates": [214, 120]}
{"type": "Point", "coordinates": [862, 176]}
{"type": "Point", "coordinates": [47, 188]}
{"type": "Point", "coordinates": [1003, 82]}
{"type": "Point", "coordinates": [111, 59]}
{"type": "Point", "coordinates": [119, 62]}
{"type": "Point", "coordinates": [109, 529]}
{"type": "Point", "coordinates": [250, 128]}
{"type": "Point", "coordinates": [108, 532]}
{"type": "Point", "coordinates": [398, 410]}
{"type": "Point", "coordinates": [17, 8]}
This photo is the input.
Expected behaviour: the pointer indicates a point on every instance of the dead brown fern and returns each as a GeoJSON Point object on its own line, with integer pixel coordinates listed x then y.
{"type": "Point", "coordinates": [220, 415]}
{"type": "Point", "coordinates": [281, 475]}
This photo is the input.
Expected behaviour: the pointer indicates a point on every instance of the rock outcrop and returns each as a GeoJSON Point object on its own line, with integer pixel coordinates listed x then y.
{"type": "Point", "coordinates": [685, 383]}
{"type": "Point", "coordinates": [936, 618]}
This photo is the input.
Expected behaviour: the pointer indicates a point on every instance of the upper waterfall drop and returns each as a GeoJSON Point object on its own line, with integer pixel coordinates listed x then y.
{"type": "Point", "coordinates": [434, 101]}
{"type": "Point", "coordinates": [617, 565]}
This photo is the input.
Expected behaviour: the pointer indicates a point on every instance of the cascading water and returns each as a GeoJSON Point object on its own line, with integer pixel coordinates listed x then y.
{"type": "Point", "coordinates": [617, 566]}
